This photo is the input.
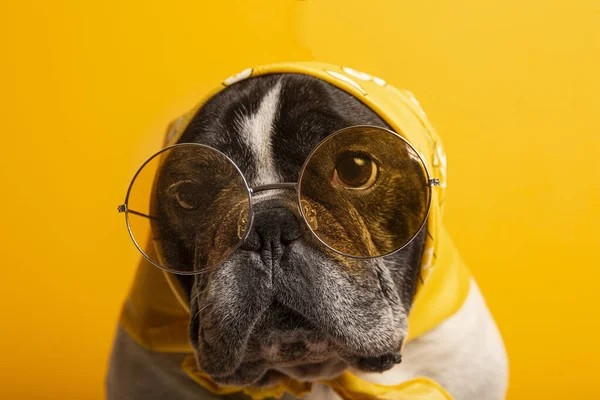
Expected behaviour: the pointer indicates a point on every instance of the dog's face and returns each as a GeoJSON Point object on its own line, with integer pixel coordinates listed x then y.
{"type": "Point", "coordinates": [283, 303]}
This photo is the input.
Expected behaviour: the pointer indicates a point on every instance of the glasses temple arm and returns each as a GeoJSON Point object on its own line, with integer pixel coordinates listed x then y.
{"type": "Point", "coordinates": [123, 208]}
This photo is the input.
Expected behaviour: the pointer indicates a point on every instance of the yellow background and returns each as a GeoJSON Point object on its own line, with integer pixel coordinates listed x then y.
{"type": "Point", "coordinates": [87, 89]}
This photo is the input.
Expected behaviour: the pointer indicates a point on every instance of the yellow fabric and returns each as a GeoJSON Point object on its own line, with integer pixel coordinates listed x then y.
{"type": "Point", "coordinates": [347, 386]}
{"type": "Point", "coordinates": [156, 314]}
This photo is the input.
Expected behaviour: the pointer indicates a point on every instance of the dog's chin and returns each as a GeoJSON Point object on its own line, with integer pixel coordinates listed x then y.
{"type": "Point", "coordinates": [299, 369]}
{"type": "Point", "coordinates": [296, 349]}
{"type": "Point", "coordinates": [262, 374]}
{"type": "Point", "coordinates": [312, 372]}
{"type": "Point", "coordinates": [285, 345]}
{"type": "Point", "coordinates": [306, 372]}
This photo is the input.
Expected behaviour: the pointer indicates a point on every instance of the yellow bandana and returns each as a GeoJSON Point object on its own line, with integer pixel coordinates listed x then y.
{"type": "Point", "coordinates": [156, 313]}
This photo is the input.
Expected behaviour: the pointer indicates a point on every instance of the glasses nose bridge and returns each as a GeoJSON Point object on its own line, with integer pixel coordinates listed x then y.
{"type": "Point", "coordinates": [274, 186]}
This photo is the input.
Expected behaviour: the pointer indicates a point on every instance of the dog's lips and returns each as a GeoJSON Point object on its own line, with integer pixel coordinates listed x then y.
{"type": "Point", "coordinates": [296, 353]}
{"type": "Point", "coordinates": [304, 370]}
{"type": "Point", "coordinates": [263, 375]}
{"type": "Point", "coordinates": [283, 341]}
{"type": "Point", "coordinates": [286, 338]}
{"type": "Point", "coordinates": [296, 349]}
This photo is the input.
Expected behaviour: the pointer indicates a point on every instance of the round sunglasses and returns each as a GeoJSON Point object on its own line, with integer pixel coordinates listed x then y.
{"type": "Point", "coordinates": [363, 192]}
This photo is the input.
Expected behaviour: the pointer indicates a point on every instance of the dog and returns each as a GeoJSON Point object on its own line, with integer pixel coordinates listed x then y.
{"type": "Point", "coordinates": [283, 304]}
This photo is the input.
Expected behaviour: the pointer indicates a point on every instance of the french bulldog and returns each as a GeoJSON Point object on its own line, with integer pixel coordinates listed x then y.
{"type": "Point", "coordinates": [283, 304]}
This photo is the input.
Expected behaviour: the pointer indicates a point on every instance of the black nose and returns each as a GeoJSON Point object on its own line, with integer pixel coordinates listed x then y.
{"type": "Point", "coordinates": [272, 229]}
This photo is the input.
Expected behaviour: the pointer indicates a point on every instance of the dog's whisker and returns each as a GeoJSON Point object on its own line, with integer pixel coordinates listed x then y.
{"type": "Point", "coordinates": [309, 353]}
{"type": "Point", "coordinates": [200, 310]}
{"type": "Point", "coordinates": [201, 292]}
{"type": "Point", "coordinates": [197, 295]}
{"type": "Point", "coordinates": [393, 262]}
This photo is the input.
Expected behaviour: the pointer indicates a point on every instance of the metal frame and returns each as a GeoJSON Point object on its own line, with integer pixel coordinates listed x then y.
{"type": "Point", "coordinates": [430, 182]}
{"type": "Point", "coordinates": [124, 208]}
{"type": "Point", "coordinates": [272, 186]}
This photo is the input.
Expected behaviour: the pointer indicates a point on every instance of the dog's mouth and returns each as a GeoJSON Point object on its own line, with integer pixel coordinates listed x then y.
{"type": "Point", "coordinates": [284, 344]}
{"type": "Point", "coordinates": [308, 372]}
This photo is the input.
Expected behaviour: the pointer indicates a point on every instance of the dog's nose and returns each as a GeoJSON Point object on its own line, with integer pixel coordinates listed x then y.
{"type": "Point", "coordinates": [272, 229]}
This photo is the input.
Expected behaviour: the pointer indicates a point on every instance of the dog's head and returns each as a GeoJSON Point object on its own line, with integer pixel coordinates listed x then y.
{"type": "Point", "coordinates": [283, 303]}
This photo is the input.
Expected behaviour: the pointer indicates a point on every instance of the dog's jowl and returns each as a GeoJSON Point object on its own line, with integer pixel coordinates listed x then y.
{"type": "Point", "coordinates": [294, 247]}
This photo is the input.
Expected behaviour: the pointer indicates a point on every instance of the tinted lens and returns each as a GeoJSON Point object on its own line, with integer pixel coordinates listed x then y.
{"type": "Point", "coordinates": [364, 192]}
{"type": "Point", "coordinates": [191, 203]}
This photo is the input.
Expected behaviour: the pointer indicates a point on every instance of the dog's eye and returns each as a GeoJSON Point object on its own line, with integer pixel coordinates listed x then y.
{"type": "Point", "coordinates": [355, 171]}
{"type": "Point", "coordinates": [186, 193]}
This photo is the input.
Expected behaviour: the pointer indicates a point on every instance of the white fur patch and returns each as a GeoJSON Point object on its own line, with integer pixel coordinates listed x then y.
{"type": "Point", "coordinates": [257, 130]}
